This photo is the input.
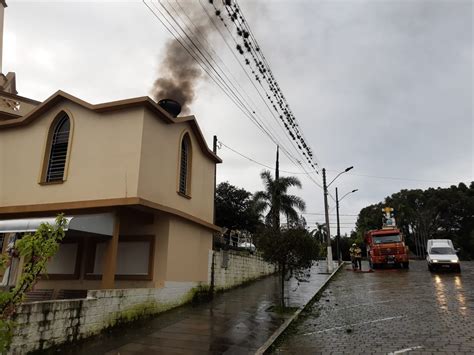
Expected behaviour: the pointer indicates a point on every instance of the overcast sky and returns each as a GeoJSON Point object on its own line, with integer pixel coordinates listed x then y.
{"type": "Point", "coordinates": [385, 86]}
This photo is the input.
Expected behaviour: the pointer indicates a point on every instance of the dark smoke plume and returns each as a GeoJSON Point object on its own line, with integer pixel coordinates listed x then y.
{"type": "Point", "coordinates": [179, 72]}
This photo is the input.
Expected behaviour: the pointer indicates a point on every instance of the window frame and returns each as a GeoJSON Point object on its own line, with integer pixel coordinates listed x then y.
{"type": "Point", "coordinates": [49, 144]}
{"type": "Point", "coordinates": [185, 137]}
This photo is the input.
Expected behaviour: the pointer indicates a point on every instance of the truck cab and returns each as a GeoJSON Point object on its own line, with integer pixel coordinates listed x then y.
{"type": "Point", "coordinates": [386, 247]}
{"type": "Point", "coordinates": [442, 255]}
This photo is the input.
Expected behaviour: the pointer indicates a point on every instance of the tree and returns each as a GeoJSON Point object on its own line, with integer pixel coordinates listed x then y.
{"type": "Point", "coordinates": [293, 250]}
{"type": "Point", "coordinates": [234, 208]}
{"type": "Point", "coordinates": [445, 213]}
{"type": "Point", "coordinates": [319, 232]}
{"type": "Point", "coordinates": [276, 200]}
{"type": "Point", "coordinates": [36, 250]}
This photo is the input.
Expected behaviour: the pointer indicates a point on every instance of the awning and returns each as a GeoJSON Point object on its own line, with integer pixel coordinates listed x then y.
{"type": "Point", "coordinates": [99, 223]}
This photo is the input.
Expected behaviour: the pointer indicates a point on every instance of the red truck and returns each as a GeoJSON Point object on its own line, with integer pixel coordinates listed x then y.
{"type": "Point", "coordinates": [386, 247]}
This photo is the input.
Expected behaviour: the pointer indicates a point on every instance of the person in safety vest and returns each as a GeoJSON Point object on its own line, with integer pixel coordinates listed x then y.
{"type": "Point", "coordinates": [356, 256]}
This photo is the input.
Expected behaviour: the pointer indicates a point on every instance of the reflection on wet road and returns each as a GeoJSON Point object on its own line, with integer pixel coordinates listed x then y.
{"type": "Point", "coordinates": [413, 311]}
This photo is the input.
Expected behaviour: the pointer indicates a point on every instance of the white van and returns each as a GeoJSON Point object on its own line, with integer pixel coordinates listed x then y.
{"type": "Point", "coordinates": [442, 255]}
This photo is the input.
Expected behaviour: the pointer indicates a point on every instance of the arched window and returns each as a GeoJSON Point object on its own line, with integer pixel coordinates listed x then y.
{"type": "Point", "coordinates": [185, 166]}
{"type": "Point", "coordinates": [59, 141]}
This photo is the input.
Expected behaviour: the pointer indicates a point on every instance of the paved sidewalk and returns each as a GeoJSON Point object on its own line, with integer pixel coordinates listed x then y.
{"type": "Point", "coordinates": [235, 322]}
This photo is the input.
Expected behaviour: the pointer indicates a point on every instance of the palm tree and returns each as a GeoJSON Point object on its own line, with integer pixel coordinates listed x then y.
{"type": "Point", "coordinates": [276, 200]}
{"type": "Point", "coordinates": [319, 232]}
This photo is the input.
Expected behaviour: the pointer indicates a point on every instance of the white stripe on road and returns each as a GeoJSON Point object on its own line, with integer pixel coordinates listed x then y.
{"type": "Point", "coordinates": [403, 351]}
{"type": "Point", "coordinates": [354, 324]}
{"type": "Point", "coordinates": [365, 304]}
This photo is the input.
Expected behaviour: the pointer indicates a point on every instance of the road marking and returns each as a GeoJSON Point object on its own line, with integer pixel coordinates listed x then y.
{"type": "Point", "coordinates": [403, 351]}
{"type": "Point", "coordinates": [354, 324]}
{"type": "Point", "coordinates": [365, 304]}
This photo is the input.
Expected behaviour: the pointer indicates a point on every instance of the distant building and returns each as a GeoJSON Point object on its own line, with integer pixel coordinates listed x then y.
{"type": "Point", "coordinates": [136, 183]}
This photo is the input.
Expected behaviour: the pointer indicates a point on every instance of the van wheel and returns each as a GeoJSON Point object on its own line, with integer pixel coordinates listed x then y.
{"type": "Point", "coordinates": [406, 265]}
{"type": "Point", "coordinates": [430, 267]}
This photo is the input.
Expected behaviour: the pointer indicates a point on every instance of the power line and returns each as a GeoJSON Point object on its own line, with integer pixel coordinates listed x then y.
{"type": "Point", "coordinates": [234, 15]}
{"type": "Point", "coordinates": [229, 93]}
{"type": "Point", "coordinates": [264, 165]}
{"type": "Point", "coordinates": [331, 214]}
{"type": "Point", "coordinates": [294, 160]}
{"type": "Point", "coordinates": [216, 55]}
{"type": "Point", "coordinates": [205, 62]}
{"type": "Point", "coordinates": [212, 69]}
{"type": "Point", "coordinates": [399, 178]}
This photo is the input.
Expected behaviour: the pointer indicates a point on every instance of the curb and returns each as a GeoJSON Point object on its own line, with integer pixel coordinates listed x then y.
{"type": "Point", "coordinates": [261, 350]}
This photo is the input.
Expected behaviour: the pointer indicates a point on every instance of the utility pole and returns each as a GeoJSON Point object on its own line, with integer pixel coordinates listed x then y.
{"type": "Point", "coordinates": [214, 150]}
{"type": "Point", "coordinates": [338, 237]}
{"type": "Point", "coordinates": [276, 204]}
{"type": "Point", "coordinates": [328, 230]}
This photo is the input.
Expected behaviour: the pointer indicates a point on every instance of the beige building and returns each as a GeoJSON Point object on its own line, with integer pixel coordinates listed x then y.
{"type": "Point", "coordinates": [135, 182]}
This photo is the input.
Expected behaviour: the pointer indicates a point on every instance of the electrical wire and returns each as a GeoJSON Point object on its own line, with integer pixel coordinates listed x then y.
{"type": "Point", "coordinates": [239, 19]}
{"type": "Point", "coordinates": [215, 55]}
{"type": "Point", "coordinates": [181, 41]}
{"type": "Point", "coordinates": [225, 25]}
{"type": "Point", "coordinates": [267, 166]}
{"type": "Point", "coordinates": [331, 214]}
{"type": "Point", "coordinates": [293, 159]}
{"type": "Point", "coordinates": [199, 55]}
{"type": "Point", "coordinates": [400, 178]}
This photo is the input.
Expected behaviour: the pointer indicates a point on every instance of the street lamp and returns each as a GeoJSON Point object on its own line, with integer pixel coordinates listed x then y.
{"type": "Point", "coordinates": [338, 237]}
{"type": "Point", "coordinates": [328, 230]}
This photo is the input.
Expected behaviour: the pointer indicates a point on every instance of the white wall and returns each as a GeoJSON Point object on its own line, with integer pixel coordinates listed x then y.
{"type": "Point", "coordinates": [54, 322]}
{"type": "Point", "coordinates": [233, 268]}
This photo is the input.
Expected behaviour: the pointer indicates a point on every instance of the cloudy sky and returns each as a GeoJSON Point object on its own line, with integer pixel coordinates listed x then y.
{"type": "Point", "coordinates": [383, 85]}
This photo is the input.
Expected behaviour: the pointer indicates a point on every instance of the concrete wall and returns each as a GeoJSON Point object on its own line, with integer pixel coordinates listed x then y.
{"type": "Point", "coordinates": [44, 324]}
{"type": "Point", "coordinates": [232, 268]}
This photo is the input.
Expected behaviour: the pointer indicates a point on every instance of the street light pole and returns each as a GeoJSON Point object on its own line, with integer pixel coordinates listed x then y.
{"type": "Point", "coordinates": [338, 237]}
{"type": "Point", "coordinates": [328, 230]}
{"type": "Point", "coordinates": [326, 212]}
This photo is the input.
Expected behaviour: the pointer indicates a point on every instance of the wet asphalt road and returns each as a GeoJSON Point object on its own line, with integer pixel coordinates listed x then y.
{"type": "Point", "coordinates": [389, 311]}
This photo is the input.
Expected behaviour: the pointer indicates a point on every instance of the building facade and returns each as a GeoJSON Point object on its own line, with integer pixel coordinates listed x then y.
{"type": "Point", "coordinates": [142, 179]}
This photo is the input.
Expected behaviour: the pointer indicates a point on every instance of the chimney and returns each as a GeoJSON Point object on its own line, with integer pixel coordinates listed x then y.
{"type": "Point", "coordinates": [171, 106]}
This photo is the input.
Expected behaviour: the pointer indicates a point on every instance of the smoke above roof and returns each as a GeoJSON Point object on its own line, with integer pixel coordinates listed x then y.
{"type": "Point", "coordinates": [179, 72]}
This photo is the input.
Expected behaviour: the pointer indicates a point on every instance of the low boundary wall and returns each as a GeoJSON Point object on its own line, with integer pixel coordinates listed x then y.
{"type": "Point", "coordinates": [233, 268]}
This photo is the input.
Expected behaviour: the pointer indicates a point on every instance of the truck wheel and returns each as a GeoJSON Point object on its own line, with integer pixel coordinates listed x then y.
{"type": "Point", "coordinates": [406, 265]}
